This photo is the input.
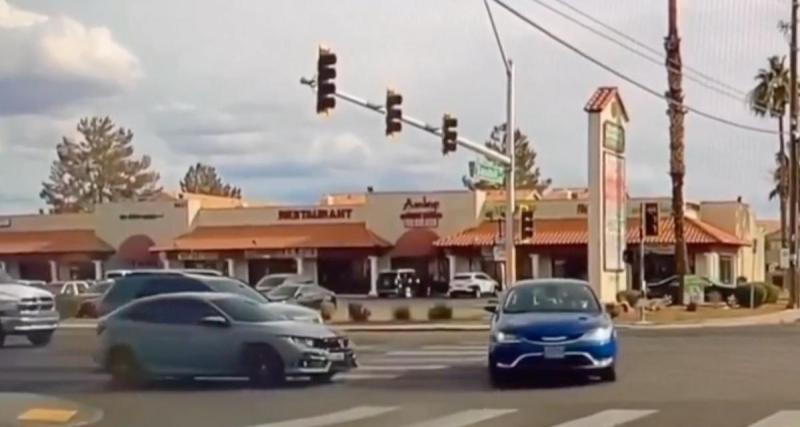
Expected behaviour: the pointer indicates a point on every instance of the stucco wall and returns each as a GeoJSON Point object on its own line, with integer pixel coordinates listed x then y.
{"type": "Point", "coordinates": [80, 221]}
{"type": "Point", "coordinates": [162, 222]}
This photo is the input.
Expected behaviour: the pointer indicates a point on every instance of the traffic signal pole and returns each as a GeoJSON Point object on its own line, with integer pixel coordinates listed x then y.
{"type": "Point", "coordinates": [413, 122]}
{"type": "Point", "coordinates": [511, 267]}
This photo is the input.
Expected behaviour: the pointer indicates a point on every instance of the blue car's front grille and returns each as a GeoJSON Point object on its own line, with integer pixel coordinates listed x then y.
{"type": "Point", "coordinates": [552, 338]}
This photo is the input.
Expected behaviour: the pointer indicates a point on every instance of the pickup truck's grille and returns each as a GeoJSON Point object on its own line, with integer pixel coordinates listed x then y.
{"type": "Point", "coordinates": [35, 305]}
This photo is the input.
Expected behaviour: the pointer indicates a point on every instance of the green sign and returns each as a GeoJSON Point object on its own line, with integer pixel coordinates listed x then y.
{"type": "Point", "coordinates": [487, 171]}
{"type": "Point", "coordinates": [614, 137]}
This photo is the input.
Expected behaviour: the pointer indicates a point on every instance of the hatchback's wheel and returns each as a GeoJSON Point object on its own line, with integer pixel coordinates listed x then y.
{"type": "Point", "coordinates": [40, 339]}
{"type": "Point", "coordinates": [125, 370]}
{"type": "Point", "coordinates": [608, 374]}
{"type": "Point", "coordinates": [408, 292]}
{"type": "Point", "coordinates": [264, 366]}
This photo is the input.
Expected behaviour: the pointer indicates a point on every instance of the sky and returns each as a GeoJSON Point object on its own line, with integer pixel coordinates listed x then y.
{"type": "Point", "coordinates": [217, 81]}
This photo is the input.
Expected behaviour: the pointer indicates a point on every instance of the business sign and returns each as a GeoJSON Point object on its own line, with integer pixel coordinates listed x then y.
{"type": "Point", "coordinates": [421, 213]}
{"type": "Point", "coordinates": [487, 171]}
{"type": "Point", "coordinates": [197, 256]}
{"type": "Point", "coordinates": [613, 211]}
{"type": "Point", "coordinates": [134, 217]}
{"type": "Point", "coordinates": [281, 253]}
{"type": "Point", "coordinates": [314, 214]}
{"type": "Point", "coordinates": [614, 137]}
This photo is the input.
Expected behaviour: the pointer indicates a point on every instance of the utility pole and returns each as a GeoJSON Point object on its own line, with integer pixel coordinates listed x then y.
{"type": "Point", "coordinates": [793, 159]}
{"type": "Point", "coordinates": [672, 45]}
{"type": "Point", "coordinates": [511, 265]}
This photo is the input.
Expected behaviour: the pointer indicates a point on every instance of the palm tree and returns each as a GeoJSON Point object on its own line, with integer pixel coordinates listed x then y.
{"type": "Point", "coordinates": [770, 97]}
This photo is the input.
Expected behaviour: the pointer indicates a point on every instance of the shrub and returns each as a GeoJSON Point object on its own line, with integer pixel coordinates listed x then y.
{"type": "Point", "coordinates": [692, 306]}
{"type": "Point", "coordinates": [715, 297]}
{"type": "Point", "coordinates": [612, 309]}
{"type": "Point", "coordinates": [440, 312]}
{"type": "Point", "coordinates": [67, 306]}
{"type": "Point", "coordinates": [773, 293]}
{"type": "Point", "coordinates": [742, 294]}
{"type": "Point", "coordinates": [327, 310]}
{"type": "Point", "coordinates": [630, 296]}
{"type": "Point", "coordinates": [401, 313]}
{"type": "Point", "coordinates": [358, 313]}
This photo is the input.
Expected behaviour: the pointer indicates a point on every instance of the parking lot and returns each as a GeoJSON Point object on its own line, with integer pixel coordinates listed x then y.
{"type": "Point", "coordinates": [724, 377]}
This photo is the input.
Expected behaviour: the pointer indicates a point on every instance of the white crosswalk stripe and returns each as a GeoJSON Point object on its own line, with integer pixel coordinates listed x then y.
{"type": "Point", "coordinates": [780, 419]}
{"type": "Point", "coordinates": [609, 418]}
{"type": "Point", "coordinates": [333, 418]}
{"type": "Point", "coordinates": [356, 376]}
{"type": "Point", "coordinates": [464, 418]}
{"type": "Point", "coordinates": [392, 368]}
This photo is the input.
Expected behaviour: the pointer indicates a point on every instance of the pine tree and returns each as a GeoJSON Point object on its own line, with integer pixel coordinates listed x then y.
{"type": "Point", "coordinates": [203, 179]}
{"type": "Point", "coordinates": [527, 173]}
{"type": "Point", "coordinates": [99, 168]}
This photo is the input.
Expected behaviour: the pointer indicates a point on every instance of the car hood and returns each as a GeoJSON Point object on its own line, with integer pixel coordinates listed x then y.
{"type": "Point", "coordinates": [13, 291]}
{"type": "Point", "coordinates": [534, 326]}
{"type": "Point", "coordinates": [296, 329]}
{"type": "Point", "coordinates": [293, 311]}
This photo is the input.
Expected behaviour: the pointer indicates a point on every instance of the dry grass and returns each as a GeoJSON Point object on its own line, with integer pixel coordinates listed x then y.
{"type": "Point", "coordinates": [680, 315]}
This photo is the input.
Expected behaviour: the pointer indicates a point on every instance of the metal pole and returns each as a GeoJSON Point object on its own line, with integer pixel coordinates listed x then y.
{"type": "Point", "coordinates": [511, 270]}
{"type": "Point", "coordinates": [641, 260]}
{"type": "Point", "coordinates": [793, 156]}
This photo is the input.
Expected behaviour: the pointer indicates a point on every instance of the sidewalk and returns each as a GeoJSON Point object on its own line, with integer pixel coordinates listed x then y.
{"type": "Point", "coordinates": [779, 318]}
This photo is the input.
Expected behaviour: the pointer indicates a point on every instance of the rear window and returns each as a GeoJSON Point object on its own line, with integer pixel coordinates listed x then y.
{"type": "Point", "coordinates": [247, 310]}
{"type": "Point", "coordinates": [234, 287]}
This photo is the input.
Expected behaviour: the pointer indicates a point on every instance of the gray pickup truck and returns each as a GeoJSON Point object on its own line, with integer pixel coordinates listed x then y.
{"type": "Point", "coordinates": [29, 311]}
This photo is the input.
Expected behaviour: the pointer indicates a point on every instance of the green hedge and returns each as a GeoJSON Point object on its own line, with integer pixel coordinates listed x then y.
{"type": "Point", "coordinates": [743, 292]}
{"type": "Point", "coordinates": [401, 313]}
{"type": "Point", "coordinates": [440, 312]}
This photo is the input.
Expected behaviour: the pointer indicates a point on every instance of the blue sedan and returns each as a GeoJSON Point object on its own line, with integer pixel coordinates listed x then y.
{"type": "Point", "coordinates": [551, 325]}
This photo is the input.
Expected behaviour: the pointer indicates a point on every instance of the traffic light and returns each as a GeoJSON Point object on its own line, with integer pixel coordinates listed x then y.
{"type": "Point", "coordinates": [449, 134]}
{"type": "Point", "coordinates": [526, 228]}
{"type": "Point", "coordinates": [651, 219]}
{"type": "Point", "coordinates": [394, 112]}
{"type": "Point", "coordinates": [326, 73]}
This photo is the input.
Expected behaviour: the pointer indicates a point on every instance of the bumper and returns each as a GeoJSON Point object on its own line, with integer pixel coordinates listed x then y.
{"type": "Point", "coordinates": [315, 362]}
{"type": "Point", "coordinates": [24, 324]}
{"type": "Point", "coordinates": [571, 357]}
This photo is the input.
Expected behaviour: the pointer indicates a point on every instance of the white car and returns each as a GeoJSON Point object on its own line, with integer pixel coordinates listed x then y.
{"type": "Point", "coordinates": [475, 284]}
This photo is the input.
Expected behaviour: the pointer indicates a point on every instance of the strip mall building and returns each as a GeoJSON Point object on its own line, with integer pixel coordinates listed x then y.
{"type": "Point", "coordinates": [346, 239]}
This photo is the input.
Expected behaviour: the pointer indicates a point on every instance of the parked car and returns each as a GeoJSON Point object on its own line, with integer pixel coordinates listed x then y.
{"type": "Point", "coordinates": [133, 287]}
{"type": "Point", "coordinates": [476, 284]}
{"type": "Point", "coordinates": [28, 311]}
{"type": "Point", "coordinates": [69, 288]}
{"type": "Point", "coordinates": [551, 324]}
{"type": "Point", "coordinates": [403, 282]}
{"type": "Point", "coordinates": [91, 298]}
{"type": "Point", "coordinates": [272, 281]}
{"type": "Point", "coordinates": [187, 335]}
{"type": "Point", "coordinates": [668, 288]}
{"type": "Point", "coordinates": [114, 274]}
{"type": "Point", "coordinates": [302, 294]}
{"type": "Point", "coordinates": [39, 284]}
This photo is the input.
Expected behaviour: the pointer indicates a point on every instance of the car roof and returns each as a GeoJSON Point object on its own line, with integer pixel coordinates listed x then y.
{"type": "Point", "coordinates": [205, 296]}
{"type": "Point", "coordinates": [549, 281]}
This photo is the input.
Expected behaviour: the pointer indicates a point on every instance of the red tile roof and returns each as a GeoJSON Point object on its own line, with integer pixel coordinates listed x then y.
{"type": "Point", "coordinates": [551, 232]}
{"type": "Point", "coordinates": [342, 235]}
{"type": "Point", "coordinates": [601, 98]}
{"type": "Point", "coordinates": [51, 242]}
{"type": "Point", "coordinates": [416, 242]}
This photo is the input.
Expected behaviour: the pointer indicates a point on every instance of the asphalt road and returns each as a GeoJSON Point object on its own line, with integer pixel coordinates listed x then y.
{"type": "Point", "coordinates": [693, 378]}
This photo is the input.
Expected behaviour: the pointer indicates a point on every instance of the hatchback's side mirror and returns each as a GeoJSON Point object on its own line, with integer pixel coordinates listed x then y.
{"type": "Point", "coordinates": [214, 321]}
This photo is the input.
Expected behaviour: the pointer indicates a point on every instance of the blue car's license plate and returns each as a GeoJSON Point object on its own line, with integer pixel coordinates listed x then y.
{"type": "Point", "coordinates": [554, 352]}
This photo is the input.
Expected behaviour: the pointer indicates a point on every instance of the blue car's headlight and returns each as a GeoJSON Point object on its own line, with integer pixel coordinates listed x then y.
{"type": "Point", "coordinates": [601, 334]}
{"type": "Point", "coordinates": [504, 337]}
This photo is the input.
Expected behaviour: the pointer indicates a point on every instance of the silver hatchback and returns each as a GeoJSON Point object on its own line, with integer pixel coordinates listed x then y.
{"type": "Point", "coordinates": [187, 335]}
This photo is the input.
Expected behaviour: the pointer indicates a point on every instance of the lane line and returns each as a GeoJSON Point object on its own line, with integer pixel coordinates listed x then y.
{"type": "Point", "coordinates": [427, 361]}
{"type": "Point", "coordinates": [609, 418]}
{"type": "Point", "coordinates": [483, 348]}
{"type": "Point", "coordinates": [780, 419]}
{"type": "Point", "coordinates": [365, 376]}
{"type": "Point", "coordinates": [390, 368]}
{"type": "Point", "coordinates": [464, 418]}
{"type": "Point", "coordinates": [436, 353]}
{"type": "Point", "coordinates": [339, 417]}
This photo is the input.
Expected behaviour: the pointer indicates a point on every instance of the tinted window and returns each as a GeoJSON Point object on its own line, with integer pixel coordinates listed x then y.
{"type": "Point", "coordinates": [221, 284]}
{"type": "Point", "coordinates": [270, 282]}
{"type": "Point", "coordinates": [124, 289]}
{"type": "Point", "coordinates": [387, 278]}
{"type": "Point", "coordinates": [100, 288]}
{"type": "Point", "coordinates": [170, 285]}
{"type": "Point", "coordinates": [551, 297]}
{"type": "Point", "coordinates": [462, 277]}
{"type": "Point", "coordinates": [284, 291]}
{"type": "Point", "coordinates": [172, 311]}
{"type": "Point", "coordinates": [245, 310]}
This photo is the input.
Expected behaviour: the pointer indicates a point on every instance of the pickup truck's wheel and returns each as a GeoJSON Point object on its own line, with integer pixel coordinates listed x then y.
{"type": "Point", "coordinates": [264, 366]}
{"type": "Point", "coordinates": [40, 339]}
{"type": "Point", "coordinates": [125, 369]}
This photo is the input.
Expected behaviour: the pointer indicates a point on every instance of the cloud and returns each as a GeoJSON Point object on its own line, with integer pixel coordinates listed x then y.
{"type": "Point", "coordinates": [52, 61]}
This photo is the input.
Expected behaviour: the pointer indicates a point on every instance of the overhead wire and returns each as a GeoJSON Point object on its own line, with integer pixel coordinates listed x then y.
{"type": "Point", "coordinates": [627, 78]}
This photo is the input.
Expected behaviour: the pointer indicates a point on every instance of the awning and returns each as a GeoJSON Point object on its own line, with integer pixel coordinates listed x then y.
{"type": "Point", "coordinates": [415, 243]}
{"type": "Point", "coordinates": [54, 241]}
{"type": "Point", "coordinates": [136, 250]}
{"type": "Point", "coordinates": [574, 231]}
{"type": "Point", "coordinates": [300, 236]}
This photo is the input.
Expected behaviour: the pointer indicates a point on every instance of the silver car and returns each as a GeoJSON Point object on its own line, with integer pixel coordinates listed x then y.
{"type": "Point", "coordinates": [187, 335]}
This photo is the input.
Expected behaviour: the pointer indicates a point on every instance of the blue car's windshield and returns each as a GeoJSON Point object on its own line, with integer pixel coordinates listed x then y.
{"type": "Point", "coordinates": [551, 297]}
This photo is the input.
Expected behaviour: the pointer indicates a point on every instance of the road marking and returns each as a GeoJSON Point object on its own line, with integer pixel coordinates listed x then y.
{"type": "Point", "coordinates": [436, 353]}
{"type": "Point", "coordinates": [339, 417]}
{"type": "Point", "coordinates": [427, 361]}
{"type": "Point", "coordinates": [47, 415]}
{"type": "Point", "coordinates": [401, 368]}
{"type": "Point", "coordinates": [365, 376]}
{"type": "Point", "coordinates": [780, 419]}
{"type": "Point", "coordinates": [464, 418]}
{"type": "Point", "coordinates": [482, 348]}
{"type": "Point", "coordinates": [609, 418]}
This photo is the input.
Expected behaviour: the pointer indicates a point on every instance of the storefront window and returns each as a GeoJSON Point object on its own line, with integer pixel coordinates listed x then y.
{"type": "Point", "coordinates": [726, 269]}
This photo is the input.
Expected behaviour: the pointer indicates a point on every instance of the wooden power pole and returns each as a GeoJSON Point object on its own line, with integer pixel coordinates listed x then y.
{"type": "Point", "coordinates": [677, 168]}
{"type": "Point", "coordinates": [793, 159]}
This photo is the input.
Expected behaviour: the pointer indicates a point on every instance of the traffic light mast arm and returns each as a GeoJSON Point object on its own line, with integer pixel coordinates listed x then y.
{"type": "Point", "coordinates": [419, 124]}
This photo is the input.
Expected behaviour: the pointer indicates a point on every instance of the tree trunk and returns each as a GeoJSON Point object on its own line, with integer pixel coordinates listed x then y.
{"type": "Point", "coordinates": [783, 192]}
{"type": "Point", "coordinates": [676, 144]}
